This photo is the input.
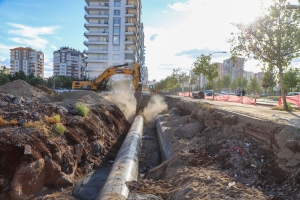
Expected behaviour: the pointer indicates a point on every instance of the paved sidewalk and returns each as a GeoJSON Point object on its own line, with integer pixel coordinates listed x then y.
{"type": "Point", "coordinates": [256, 111]}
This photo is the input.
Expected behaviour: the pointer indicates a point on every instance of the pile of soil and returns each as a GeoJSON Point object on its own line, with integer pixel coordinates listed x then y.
{"type": "Point", "coordinates": [22, 88]}
{"type": "Point", "coordinates": [35, 158]}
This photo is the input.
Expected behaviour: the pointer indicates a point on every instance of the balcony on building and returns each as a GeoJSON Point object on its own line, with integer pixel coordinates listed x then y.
{"type": "Point", "coordinates": [104, 5]}
{"type": "Point", "coordinates": [96, 16]}
{"type": "Point", "coordinates": [96, 25]}
{"type": "Point", "coordinates": [95, 51]}
{"type": "Point", "coordinates": [91, 42]}
{"type": "Point", "coordinates": [96, 60]}
{"type": "Point", "coordinates": [93, 70]}
{"type": "Point", "coordinates": [96, 33]}
{"type": "Point", "coordinates": [131, 23]}
{"type": "Point", "coordinates": [130, 15]}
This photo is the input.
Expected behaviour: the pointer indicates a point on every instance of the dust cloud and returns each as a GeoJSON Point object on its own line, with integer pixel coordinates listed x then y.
{"type": "Point", "coordinates": [155, 106]}
{"type": "Point", "coordinates": [123, 96]}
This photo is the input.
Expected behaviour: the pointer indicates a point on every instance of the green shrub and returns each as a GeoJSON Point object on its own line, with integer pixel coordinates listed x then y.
{"type": "Point", "coordinates": [60, 128]}
{"type": "Point", "coordinates": [82, 110]}
{"type": "Point", "coordinates": [290, 107]}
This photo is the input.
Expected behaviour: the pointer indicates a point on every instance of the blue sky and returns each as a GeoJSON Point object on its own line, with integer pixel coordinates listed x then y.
{"type": "Point", "coordinates": [176, 31]}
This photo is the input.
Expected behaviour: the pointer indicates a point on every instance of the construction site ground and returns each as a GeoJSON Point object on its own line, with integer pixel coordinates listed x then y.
{"type": "Point", "coordinates": [221, 150]}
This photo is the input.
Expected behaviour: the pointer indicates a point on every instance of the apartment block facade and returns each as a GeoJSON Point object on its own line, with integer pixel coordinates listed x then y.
{"type": "Point", "coordinates": [248, 75]}
{"type": "Point", "coordinates": [233, 68]}
{"type": "Point", "coordinates": [68, 62]}
{"type": "Point", "coordinates": [27, 60]}
{"type": "Point", "coordinates": [259, 76]}
{"type": "Point", "coordinates": [220, 70]}
{"type": "Point", "coordinates": [114, 35]}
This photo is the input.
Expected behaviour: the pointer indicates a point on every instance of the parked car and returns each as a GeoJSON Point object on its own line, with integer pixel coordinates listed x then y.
{"type": "Point", "coordinates": [293, 93]}
{"type": "Point", "coordinates": [198, 94]}
{"type": "Point", "coordinates": [223, 93]}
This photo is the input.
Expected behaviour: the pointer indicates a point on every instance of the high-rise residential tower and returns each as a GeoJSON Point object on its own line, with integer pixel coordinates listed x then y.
{"type": "Point", "coordinates": [68, 62]}
{"type": "Point", "coordinates": [27, 60]}
{"type": "Point", "coordinates": [233, 68]}
{"type": "Point", "coordinates": [114, 34]}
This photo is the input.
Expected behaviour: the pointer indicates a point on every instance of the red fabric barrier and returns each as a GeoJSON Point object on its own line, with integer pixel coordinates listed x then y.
{"type": "Point", "coordinates": [292, 99]}
{"type": "Point", "coordinates": [228, 98]}
{"type": "Point", "coordinates": [185, 94]}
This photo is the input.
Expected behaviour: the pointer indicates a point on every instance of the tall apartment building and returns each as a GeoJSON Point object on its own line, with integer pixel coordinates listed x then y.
{"type": "Point", "coordinates": [259, 76]}
{"type": "Point", "coordinates": [114, 35]}
{"type": "Point", "coordinates": [233, 68]}
{"type": "Point", "coordinates": [220, 70]}
{"type": "Point", "coordinates": [248, 75]}
{"type": "Point", "coordinates": [68, 62]}
{"type": "Point", "coordinates": [27, 60]}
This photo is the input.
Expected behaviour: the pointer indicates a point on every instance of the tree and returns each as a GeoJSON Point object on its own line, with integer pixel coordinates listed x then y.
{"type": "Point", "coordinates": [226, 81]}
{"type": "Point", "coordinates": [219, 85]}
{"type": "Point", "coordinates": [209, 70]}
{"type": "Point", "coordinates": [291, 79]}
{"type": "Point", "coordinates": [269, 79]}
{"type": "Point", "coordinates": [241, 82]}
{"type": "Point", "coordinates": [253, 85]}
{"type": "Point", "coordinates": [4, 78]}
{"type": "Point", "coordinates": [272, 38]}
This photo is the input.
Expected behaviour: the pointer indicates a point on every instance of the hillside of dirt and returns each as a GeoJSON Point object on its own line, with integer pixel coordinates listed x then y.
{"type": "Point", "coordinates": [35, 156]}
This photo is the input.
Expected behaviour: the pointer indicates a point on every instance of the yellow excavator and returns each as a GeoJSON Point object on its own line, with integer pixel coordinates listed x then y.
{"type": "Point", "coordinates": [100, 83]}
{"type": "Point", "coordinates": [153, 89]}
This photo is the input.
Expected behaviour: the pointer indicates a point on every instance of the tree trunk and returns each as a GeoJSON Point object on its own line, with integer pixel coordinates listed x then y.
{"type": "Point", "coordinates": [212, 87]}
{"type": "Point", "coordinates": [282, 88]}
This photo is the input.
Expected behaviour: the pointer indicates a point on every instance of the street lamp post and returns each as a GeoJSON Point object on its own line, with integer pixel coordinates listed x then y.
{"type": "Point", "coordinates": [210, 56]}
{"type": "Point", "coordinates": [292, 7]}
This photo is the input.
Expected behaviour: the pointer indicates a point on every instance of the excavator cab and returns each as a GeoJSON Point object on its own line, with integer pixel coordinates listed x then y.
{"type": "Point", "coordinates": [153, 89]}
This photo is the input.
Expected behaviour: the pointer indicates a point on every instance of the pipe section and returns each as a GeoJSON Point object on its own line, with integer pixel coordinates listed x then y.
{"type": "Point", "coordinates": [165, 147]}
{"type": "Point", "coordinates": [126, 164]}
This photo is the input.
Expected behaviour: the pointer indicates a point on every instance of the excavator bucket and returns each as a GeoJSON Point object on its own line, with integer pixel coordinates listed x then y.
{"type": "Point", "coordinates": [142, 100]}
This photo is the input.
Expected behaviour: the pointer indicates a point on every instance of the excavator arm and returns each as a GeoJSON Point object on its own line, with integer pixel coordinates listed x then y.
{"type": "Point", "coordinates": [142, 98]}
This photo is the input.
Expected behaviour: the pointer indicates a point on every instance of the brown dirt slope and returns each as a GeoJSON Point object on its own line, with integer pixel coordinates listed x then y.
{"type": "Point", "coordinates": [35, 157]}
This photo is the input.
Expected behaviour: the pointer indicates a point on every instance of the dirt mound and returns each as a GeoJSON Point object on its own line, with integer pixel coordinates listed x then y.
{"type": "Point", "coordinates": [46, 90]}
{"type": "Point", "coordinates": [73, 97]}
{"type": "Point", "coordinates": [22, 88]}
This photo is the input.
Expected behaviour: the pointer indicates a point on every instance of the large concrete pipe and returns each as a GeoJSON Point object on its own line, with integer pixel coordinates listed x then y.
{"type": "Point", "coordinates": [165, 147]}
{"type": "Point", "coordinates": [126, 164]}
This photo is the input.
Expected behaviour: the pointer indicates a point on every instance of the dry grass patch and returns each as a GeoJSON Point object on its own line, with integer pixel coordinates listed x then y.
{"type": "Point", "coordinates": [4, 122]}
{"type": "Point", "coordinates": [53, 120]}
{"type": "Point", "coordinates": [38, 125]}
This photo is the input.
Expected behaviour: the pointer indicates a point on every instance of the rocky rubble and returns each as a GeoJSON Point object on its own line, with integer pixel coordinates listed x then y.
{"type": "Point", "coordinates": [37, 156]}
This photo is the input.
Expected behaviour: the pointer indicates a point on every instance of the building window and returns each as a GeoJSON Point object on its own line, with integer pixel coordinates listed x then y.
{"type": "Point", "coordinates": [117, 21]}
{"type": "Point", "coordinates": [117, 3]}
{"type": "Point", "coordinates": [116, 30]}
{"type": "Point", "coordinates": [116, 47]}
{"type": "Point", "coordinates": [116, 40]}
{"type": "Point", "coordinates": [116, 12]}
{"type": "Point", "coordinates": [116, 57]}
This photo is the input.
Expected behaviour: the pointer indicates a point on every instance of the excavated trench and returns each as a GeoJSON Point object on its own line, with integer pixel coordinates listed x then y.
{"type": "Point", "coordinates": [238, 155]}
{"type": "Point", "coordinates": [208, 149]}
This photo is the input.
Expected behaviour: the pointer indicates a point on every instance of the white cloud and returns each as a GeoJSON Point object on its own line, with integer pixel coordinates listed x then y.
{"type": "Point", "coordinates": [53, 47]}
{"type": "Point", "coordinates": [196, 24]}
{"type": "Point", "coordinates": [48, 67]}
{"type": "Point", "coordinates": [166, 12]}
{"type": "Point", "coordinates": [30, 36]}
